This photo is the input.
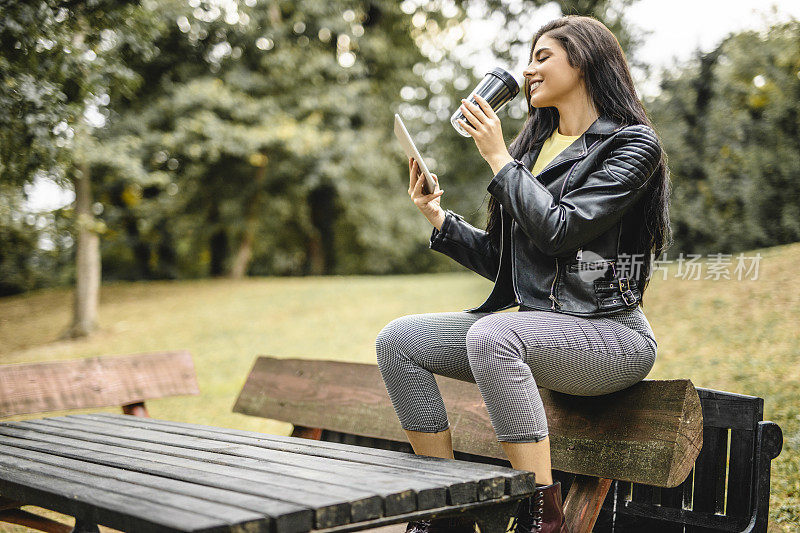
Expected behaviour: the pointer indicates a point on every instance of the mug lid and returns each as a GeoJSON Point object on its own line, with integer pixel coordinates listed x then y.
{"type": "Point", "coordinates": [506, 78]}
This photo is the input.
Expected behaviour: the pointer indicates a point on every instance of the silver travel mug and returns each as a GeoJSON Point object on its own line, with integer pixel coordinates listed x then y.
{"type": "Point", "coordinates": [498, 88]}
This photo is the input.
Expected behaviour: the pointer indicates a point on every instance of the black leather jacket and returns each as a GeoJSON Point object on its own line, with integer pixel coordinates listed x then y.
{"type": "Point", "coordinates": [564, 228]}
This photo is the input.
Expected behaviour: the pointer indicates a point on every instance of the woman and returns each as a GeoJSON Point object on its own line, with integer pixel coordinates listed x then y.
{"type": "Point", "coordinates": [556, 244]}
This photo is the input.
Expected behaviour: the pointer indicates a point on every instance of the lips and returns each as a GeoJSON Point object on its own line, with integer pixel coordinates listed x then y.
{"type": "Point", "coordinates": [535, 85]}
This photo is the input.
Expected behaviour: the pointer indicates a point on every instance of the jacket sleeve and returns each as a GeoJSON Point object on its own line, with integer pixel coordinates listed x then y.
{"type": "Point", "coordinates": [586, 212]}
{"type": "Point", "coordinates": [466, 244]}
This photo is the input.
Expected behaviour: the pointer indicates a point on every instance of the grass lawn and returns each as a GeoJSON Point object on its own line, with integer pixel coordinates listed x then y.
{"type": "Point", "coordinates": [732, 335]}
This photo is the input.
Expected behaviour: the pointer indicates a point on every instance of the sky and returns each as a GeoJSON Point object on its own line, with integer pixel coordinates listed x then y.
{"type": "Point", "coordinates": [677, 28]}
{"type": "Point", "coordinates": [681, 26]}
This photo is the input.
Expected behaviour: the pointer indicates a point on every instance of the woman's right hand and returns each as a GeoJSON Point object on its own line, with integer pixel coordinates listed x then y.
{"type": "Point", "coordinates": [428, 204]}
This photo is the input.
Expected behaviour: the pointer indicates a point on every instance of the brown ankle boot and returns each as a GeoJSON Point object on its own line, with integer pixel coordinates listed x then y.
{"type": "Point", "coordinates": [455, 524]}
{"type": "Point", "coordinates": [541, 513]}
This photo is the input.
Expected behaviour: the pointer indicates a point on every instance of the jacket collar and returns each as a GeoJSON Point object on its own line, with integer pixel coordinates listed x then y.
{"type": "Point", "coordinates": [602, 126]}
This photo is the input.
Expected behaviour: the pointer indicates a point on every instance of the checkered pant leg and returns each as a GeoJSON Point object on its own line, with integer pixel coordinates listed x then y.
{"type": "Point", "coordinates": [508, 354]}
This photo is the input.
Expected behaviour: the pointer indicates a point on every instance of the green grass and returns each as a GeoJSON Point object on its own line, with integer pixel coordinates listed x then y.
{"type": "Point", "coordinates": [733, 335]}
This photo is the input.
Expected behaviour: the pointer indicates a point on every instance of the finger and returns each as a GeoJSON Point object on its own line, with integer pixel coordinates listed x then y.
{"type": "Point", "coordinates": [469, 129]}
{"type": "Point", "coordinates": [435, 194]}
{"type": "Point", "coordinates": [485, 106]}
{"type": "Point", "coordinates": [412, 174]}
{"type": "Point", "coordinates": [418, 186]}
{"type": "Point", "coordinates": [471, 111]}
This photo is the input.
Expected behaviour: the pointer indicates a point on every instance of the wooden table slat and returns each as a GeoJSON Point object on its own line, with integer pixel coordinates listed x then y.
{"type": "Point", "coordinates": [118, 511]}
{"type": "Point", "coordinates": [289, 517]}
{"type": "Point", "coordinates": [155, 480]}
{"type": "Point", "coordinates": [331, 508]}
{"type": "Point", "coordinates": [225, 480]}
{"type": "Point", "coordinates": [355, 453]}
{"type": "Point", "coordinates": [303, 465]}
{"type": "Point", "coordinates": [517, 481]}
{"type": "Point", "coordinates": [326, 479]}
{"type": "Point", "coordinates": [155, 494]}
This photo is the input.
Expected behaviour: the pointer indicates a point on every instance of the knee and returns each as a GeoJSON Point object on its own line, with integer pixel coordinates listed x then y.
{"type": "Point", "coordinates": [389, 343]}
{"type": "Point", "coordinates": [487, 342]}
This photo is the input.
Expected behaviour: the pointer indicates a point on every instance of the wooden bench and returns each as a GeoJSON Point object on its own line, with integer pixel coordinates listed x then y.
{"type": "Point", "coordinates": [126, 381]}
{"type": "Point", "coordinates": [649, 458]}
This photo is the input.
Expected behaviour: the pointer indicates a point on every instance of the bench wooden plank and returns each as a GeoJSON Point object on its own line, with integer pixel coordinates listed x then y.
{"type": "Point", "coordinates": [709, 473]}
{"type": "Point", "coordinates": [331, 508]}
{"type": "Point", "coordinates": [202, 505]}
{"type": "Point", "coordinates": [382, 479]}
{"type": "Point", "coordinates": [651, 432]}
{"type": "Point", "coordinates": [740, 467]}
{"type": "Point", "coordinates": [289, 517]}
{"type": "Point", "coordinates": [671, 498]}
{"type": "Point", "coordinates": [693, 519]}
{"type": "Point", "coordinates": [109, 458]}
{"type": "Point", "coordinates": [516, 481]}
{"type": "Point", "coordinates": [265, 507]}
{"type": "Point", "coordinates": [95, 382]}
{"type": "Point", "coordinates": [118, 511]}
{"type": "Point", "coordinates": [730, 410]}
{"type": "Point", "coordinates": [137, 438]}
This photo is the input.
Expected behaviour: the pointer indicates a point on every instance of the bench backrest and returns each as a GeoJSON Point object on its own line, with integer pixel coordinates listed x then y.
{"type": "Point", "coordinates": [649, 433]}
{"type": "Point", "coordinates": [95, 382]}
{"type": "Point", "coordinates": [728, 488]}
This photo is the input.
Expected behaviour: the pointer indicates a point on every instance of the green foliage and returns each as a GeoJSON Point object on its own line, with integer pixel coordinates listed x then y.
{"type": "Point", "coordinates": [35, 249]}
{"type": "Point", "coordinates": [57, 59]}
{"type": "Point", "coordinates": [731, 129]}
{"type": "Point", "coordinates": [255, 136]}
{"type": "Point", "coordinates": [265, 129]}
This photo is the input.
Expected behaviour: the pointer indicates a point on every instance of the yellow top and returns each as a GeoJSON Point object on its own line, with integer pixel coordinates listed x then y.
{"type": "Point", "coordinates": [553, 146]}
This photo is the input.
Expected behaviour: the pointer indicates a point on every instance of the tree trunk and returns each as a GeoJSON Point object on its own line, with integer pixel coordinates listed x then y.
{"type": "Point", "coordinates": [244, 254]}
{"type": "Point", "coordinates": [217, 244]}
{"type": "Point", "coordinates": [241, 261]}
{"type": "Point", "coordinates": [321, 246]}
{"type": "Point", "coordinates": [87, 268]}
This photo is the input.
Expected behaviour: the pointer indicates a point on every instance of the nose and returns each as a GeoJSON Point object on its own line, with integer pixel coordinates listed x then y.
{"type": "Point", "coordinates": [529, 71]}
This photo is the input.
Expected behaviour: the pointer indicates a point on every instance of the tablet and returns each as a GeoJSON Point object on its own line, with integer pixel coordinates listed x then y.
{"type": "Point", "coordinates": [411, 151]}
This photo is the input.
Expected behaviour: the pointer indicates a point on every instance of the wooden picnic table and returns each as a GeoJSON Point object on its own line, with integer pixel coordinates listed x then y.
{"type": "Point", "coordinates": [145, 475]}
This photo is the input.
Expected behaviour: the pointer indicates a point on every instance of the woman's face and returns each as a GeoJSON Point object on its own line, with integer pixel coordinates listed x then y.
{"type": "Point", "coordinates": [559, 80]}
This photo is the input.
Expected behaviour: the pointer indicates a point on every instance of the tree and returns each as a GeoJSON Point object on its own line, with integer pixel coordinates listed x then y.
{"type": "Point", "coordinates": [62, 63]}
{"type": "Point", "coordinates": [297, 191]}
{"type": "Point", "coordinates": [729, 122]}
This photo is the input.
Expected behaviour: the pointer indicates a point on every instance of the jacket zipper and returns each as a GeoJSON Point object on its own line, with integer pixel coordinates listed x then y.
{"type": "Point", "coordinates": [555, 278]}
{"type": "Point", "coordinates": [552, 287]}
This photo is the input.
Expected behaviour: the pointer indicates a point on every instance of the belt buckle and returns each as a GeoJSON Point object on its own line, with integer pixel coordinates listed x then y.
{"type": "Point", "coordinates": [625, 295]}
{"type": "Point", "coordinates": [626, 291]}
{"type": "Point", "coordinates": [627, 286]}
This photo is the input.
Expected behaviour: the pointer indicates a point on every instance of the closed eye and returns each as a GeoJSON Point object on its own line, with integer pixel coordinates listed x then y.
{"type": "Point", "coordinates": [541, 59]}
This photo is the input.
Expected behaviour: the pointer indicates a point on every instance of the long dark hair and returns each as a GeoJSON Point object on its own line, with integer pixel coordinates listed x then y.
{"type": "Point", "coordinates": [593, 49]}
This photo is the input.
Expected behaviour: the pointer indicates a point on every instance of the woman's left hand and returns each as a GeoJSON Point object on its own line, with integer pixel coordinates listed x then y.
{"type": "Point", "coordinates": [487, 131]}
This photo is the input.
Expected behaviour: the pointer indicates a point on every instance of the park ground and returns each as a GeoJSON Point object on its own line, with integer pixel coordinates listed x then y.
{"type": "Point", "coordinates": [737, 335]}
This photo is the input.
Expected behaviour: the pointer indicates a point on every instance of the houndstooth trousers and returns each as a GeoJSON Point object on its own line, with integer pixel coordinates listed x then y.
{"type": "Point", "coordinates": [509, 354]}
